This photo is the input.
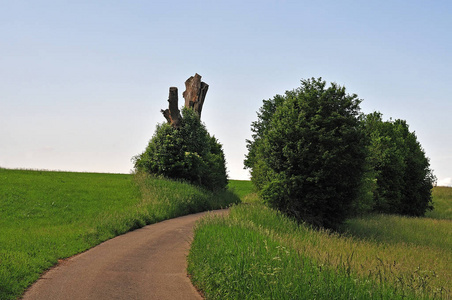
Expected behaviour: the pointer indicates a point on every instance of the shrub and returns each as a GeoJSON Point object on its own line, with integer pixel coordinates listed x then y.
{"type": "Point", "coordinates": [188, 153]}
{"type": "Point", "coordinates": [307, 155]}
{"type": "Point", "coordinates": [401, 170]}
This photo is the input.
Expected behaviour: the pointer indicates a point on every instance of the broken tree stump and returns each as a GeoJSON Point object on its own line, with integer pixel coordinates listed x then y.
{"type": "Point", "coordinates": [195, 94]}
{"type": "Point", "coordinates": [172, 114]}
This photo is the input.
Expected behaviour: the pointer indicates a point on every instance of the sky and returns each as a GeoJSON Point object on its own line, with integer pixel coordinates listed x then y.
{"type": "Point", "coordinates": [82, 82]}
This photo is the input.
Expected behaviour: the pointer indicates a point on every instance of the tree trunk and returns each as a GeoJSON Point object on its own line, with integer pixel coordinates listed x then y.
{"type": "Point", "coordinates": [195, 93]}
{"type": "Point", "coordinates": [172, 114]}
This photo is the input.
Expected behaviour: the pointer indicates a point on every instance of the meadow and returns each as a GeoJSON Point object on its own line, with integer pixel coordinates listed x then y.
{"type": "Point", "coordinates": [254, 252]}
{"type": "Point", "coordinates": [442, 201]}
{"type": "Point", "coordinates": [257, 253]}
{"type": "Point", "coordinates": [47, 216]}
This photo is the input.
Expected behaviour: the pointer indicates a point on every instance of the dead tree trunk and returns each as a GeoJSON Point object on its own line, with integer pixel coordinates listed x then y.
{"type": "Point", "coordinates": [172, 114]}
{"type": "Point", "coordinates": [195, 93]}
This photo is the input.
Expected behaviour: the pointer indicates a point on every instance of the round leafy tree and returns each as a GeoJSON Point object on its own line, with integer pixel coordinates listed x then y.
{"type": "Point", "coordinates": [307, 154]}
{"type": "Point", "coordinates": [186, 153]}
{"type": "Point", "coordinates": [401, 171]}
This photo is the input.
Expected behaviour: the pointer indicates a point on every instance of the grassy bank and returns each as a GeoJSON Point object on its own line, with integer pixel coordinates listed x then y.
{"type": "Point", "coordinates": [256, 252]}
{"type": "Point", "coordinates": [47, 216]}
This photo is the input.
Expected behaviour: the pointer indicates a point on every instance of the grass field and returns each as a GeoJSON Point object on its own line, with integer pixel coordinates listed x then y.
{"type": "Point", "coordinates": [442, 202]}
{"type": "Point", "coordinates": [256, 252]}
{"type": "Point", "coordinates": [47, 216]}
{"type": "Point", "coordinates": [244, 189]}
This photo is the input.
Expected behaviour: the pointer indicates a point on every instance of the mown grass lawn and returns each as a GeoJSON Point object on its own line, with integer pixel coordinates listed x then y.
{"type": "Point", "coordinates": [256, 252]}
{"type": "Point", "coordinates": [47, 216]}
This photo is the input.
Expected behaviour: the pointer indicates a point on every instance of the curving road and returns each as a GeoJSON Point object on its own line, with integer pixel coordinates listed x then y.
{"type": "Point", "coordinates": [148, 263]}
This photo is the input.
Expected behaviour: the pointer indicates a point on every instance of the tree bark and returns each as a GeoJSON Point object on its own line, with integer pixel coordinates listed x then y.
{"type": "Point", "coordinates": [172, 114]}
{"type": "Point", "coordinates": [195, 93]}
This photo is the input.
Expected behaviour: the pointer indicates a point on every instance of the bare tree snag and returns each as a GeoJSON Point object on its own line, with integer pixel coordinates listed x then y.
{"type": "Point", "coordinates": [172, 114]}
{"type": "Point", "coordinates": [195, 93]}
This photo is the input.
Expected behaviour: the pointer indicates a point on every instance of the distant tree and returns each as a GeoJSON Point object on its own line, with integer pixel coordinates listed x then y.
{"type": "Point", "coordinates": [307, 154]}
{"type": "Point", "coordinates": [400, 168]}
{"type": "Point", "coordinates": [386, 158]}
{"type": "Point", "coordinates": [186, 153]}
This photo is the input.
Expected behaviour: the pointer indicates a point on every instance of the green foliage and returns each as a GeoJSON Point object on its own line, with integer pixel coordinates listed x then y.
{"type": "Point", "coordinates": [187, 153]}
{"type": "Point", "coordinates": [307, 157]}
{"type": "Point", "coordinates": [259, 128]}
{"type": "Point", "coordinates": [399, 167]}
{"type": "Point", "coordinates": [315, 157]}
{"type": "Point", "coordinates": [46, 216]}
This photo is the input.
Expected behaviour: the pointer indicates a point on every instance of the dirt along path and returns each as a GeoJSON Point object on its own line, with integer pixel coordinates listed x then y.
{"type": "Point", "coordinates": [147, 263]}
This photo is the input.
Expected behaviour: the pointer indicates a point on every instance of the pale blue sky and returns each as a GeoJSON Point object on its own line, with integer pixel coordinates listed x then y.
{"type": "Point", "coordinates": [82, 82]}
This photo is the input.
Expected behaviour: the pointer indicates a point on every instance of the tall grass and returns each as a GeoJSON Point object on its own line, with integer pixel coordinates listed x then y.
{"type": "Point", "coordinates": [47, 216]}
{"type": "Point", "coordinates": [390, 265]}
{"type": "Point", "coordinates": [229, 261]}
{"type": "Point", "coordinates": [394, 229]}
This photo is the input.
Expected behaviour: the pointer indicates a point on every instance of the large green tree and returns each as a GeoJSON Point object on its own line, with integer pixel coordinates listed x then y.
{"type": "Point", "coordinates": [307, 154]}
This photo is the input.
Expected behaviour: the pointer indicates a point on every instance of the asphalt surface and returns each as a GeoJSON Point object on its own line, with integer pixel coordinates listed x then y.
{"type": "Point", "coordinates": [148, 263]}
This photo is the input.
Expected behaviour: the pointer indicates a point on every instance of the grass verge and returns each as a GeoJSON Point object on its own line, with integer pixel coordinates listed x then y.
{"type": "Point", "coordinates": [256, 252]}
{"type": "Point", "coordinates": [47, 216]}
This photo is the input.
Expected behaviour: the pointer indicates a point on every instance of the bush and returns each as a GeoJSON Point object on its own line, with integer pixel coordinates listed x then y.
{"type": "Point", "coordinates": [188, 153]}
{"type": "Point", "coordinates": [307, 155]}
{"type": "Point", "coordinates": [401, 171]}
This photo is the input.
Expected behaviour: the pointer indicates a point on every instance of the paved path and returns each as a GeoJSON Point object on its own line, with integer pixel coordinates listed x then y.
{"type": "Point", "coordinates": [148, 263]}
